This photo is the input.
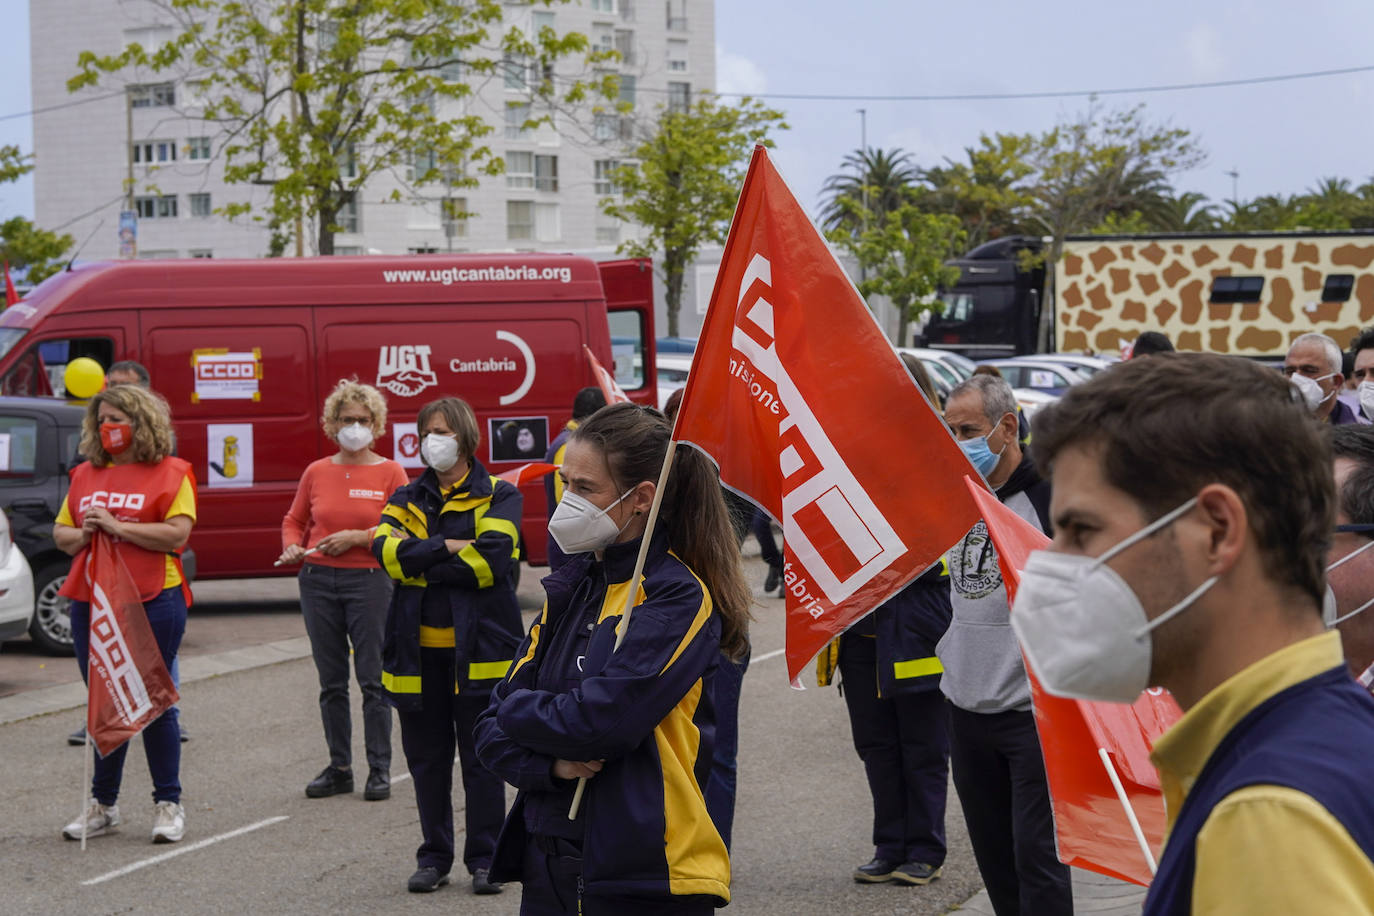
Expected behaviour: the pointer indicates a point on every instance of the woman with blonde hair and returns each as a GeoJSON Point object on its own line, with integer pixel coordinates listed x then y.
{"type": "Point", "coordinates": [132, 490]}
{"type": "Point", "coordinates": [344, 592]}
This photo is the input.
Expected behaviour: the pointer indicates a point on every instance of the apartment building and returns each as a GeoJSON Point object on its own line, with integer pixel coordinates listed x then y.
{"type": "Point", "coordinates": [145, 127]}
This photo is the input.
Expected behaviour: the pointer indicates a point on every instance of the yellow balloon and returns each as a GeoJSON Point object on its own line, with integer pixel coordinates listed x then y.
{"type": "Point", "coordinates": [83, 377]}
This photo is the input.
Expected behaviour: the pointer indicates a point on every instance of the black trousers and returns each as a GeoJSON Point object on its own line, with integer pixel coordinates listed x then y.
{"type": "Point", "coordinates": [430, 737]}
{"type": "Point", "coordinates": [1000, 776]}
{"type": "Point", "coordinates": [903, 742]}
{"type": "Point", "coordinates": [551, 886]}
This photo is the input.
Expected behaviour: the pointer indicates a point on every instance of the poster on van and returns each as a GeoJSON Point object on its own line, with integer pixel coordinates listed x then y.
{"type": "Point", "coordinates": [222, 375]}
{"type": "Point", "coordinates": [405, 442]}
{"type": "Point", "coordinates": [230, 450]}
{"type": "Point", "coordinates": [518, 438]}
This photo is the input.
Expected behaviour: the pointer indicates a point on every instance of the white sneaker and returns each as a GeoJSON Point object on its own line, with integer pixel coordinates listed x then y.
{"type": "Point", "coordinates": [99, 820]}
{"type": "Point", "coordinates": [169, 822]}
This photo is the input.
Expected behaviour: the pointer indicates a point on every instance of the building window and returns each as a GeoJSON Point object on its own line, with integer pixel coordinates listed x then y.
{"type": "Point", "coordinates": [200, 204]}
{"type": "Point", "coordinates": [518, 71]}
{"type": "Point", "coordinates": [625, 44]}
{"type": "Point", "coordinates": [604, 177]}
{"type": "Point", "coordinates": [603, 6]}
{"type": "Point", "coordinates": [677, 56]}
{"type": "Point", "coordinates": [422, 249]}
{"type": "Point", "coordinates": [348, 168]}
{"type": "Point", "coordinates": [603, 38]}
{"type": "Point", "coordinates": [1338, 287]}
{"type": "Point", "coordinates": [546, 173]}
{"type": "Point", "coordinates": [519, 169]}
{"type": "Point", "coordinates": [201, 253]}
{"type": "Point", "coordinates": [627, 10]}
{"type": "Point", "coordinates": [679, 97]}
{"type": "Point", "coordinates": [454, 211]}
{"type": "Point", "coordinates": [520, 220]}
{"type": "Point", "coordinates": [677, 15]}
{"type": "Point", "coordinates": [198, 148]}
{"type": "Point", "coordinates": [164, 207]}
{"type": "Point", "coordinates": [348, 219]}
{"type": "Point", "coordinates": [516, 116]}
{"type": "Point", "coordinates": [540, 20]}
{"type": "Point", "coordinates": [546, 222]}
{"type": "Point", "coordinates": [341, 250]}
{"type": "Point", "coordinates": [151, 152]}
{"type": "Point", "coordinates": [157, 254]}
{"type": "Point", "coordinates": [422, 163]}
{"type": "Point", "coordinates": [627, 89]}
{"type": "Point", "coordinates": [608, 234]}
{"type": "Point", "coordinates": [607, 126]}
{"type": "Point", "coordinates": [153, 95]}
{"type": "Point", "coordinates": [1236, 289]}
{"type": "Point", "coordinates": [451, 71]}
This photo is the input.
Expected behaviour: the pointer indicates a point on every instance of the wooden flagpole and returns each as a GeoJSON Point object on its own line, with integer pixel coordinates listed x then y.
{"type": "Point", "coordinates": [634, 588]}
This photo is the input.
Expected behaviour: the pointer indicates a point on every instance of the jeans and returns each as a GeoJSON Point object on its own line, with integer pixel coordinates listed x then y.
{"type": "Point", "coordinates": [342, 606]}
{"type": "Point", "coordinates": [161, 739]}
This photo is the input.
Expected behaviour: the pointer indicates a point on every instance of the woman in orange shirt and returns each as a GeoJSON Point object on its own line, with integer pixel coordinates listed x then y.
{"type": "Point", "coordinates": [344, 594]}
{"type": "Point", "coordinates": [132, 490]}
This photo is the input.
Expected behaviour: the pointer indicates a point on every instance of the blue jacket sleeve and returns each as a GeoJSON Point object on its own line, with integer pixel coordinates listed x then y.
{"type": "Point", "coordinates": [402, 544]}
{"type": "Point", "coordinates": [517, 765]}
{"type": "Point", "coordinates": [488, 560]}
{"type": "Point", "coordinates": [672, 640]}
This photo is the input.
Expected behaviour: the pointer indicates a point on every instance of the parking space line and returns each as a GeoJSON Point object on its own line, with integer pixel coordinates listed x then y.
{"type": "Point", "coordinates": [182, 850]}
{"type": "Point", "coordinates": [767, 655]}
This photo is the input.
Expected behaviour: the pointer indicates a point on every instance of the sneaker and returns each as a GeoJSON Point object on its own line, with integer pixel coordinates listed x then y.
{"type": "Point", "coordinates": [169, 822]}
{"type": "Point", "coordinates": [78, 737]}
{"type": "Point", "coordinates": [878, 871]}
{"type": "Point", "coordinates": [915, 873]}
{"type": "Point", "coordinates": [378, 786]}
{"type": "Point", "coordinates": [482, 883]}
{"type": "Point", "coordinates": [331, 781]}
{"type": "Point", "coordinates": [99, 820]}
{"type": "Point", "coordinates": [426, 880]}
{"type": "Point", "coordinates": [774, 579]}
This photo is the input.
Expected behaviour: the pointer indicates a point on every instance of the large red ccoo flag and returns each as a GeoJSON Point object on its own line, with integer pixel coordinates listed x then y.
{"type": "Point", "coordinates": [799, 398]}
{"type": "Point", "coordinates": [128, 684]}
{"type": "Point", "coordinates": [1090, 826]}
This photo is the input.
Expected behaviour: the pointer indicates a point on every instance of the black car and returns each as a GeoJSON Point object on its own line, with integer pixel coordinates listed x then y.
{"type": "Point", "coordinates": [43, 435]}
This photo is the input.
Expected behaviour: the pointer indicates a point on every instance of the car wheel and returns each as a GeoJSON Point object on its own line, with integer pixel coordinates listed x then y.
{"type": "Point", "coordinates": [51, 628]}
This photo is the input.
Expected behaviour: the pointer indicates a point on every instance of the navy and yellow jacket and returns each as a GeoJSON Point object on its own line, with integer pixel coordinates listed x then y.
{"type": "Point", "coordinates": [899, 637]}
{"type": "Point", "coordinates": [644, 709]}
{"type": "Point", "coordinates": [467, 600]}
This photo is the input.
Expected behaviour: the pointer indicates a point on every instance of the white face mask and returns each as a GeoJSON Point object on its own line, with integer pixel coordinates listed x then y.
{"type": "Point", "coordinates": [354, 437]}
{"type": "Point", "coordinates": [1312, 394]}
{"type": "Point", "coordinates": [439, 452]}
{"type": "Point", "coordinates": [578, 525]}
{"type": "Point", "coordinates": [1366, 391]}
{"type": "Point", "coordinates": [1329, 602]}
{"type": "Point", "coordinates": [1083, 628]}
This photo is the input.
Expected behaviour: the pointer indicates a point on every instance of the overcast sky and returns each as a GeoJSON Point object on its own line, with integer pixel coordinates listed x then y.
{"type": "Point", "coordinates": [1280, 137]}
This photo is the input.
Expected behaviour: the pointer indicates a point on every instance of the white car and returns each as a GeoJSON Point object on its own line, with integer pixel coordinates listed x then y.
{"type": "Point", "coordinates": [16, 586]}
{"type": "Point", "coordinates": [672, 374]}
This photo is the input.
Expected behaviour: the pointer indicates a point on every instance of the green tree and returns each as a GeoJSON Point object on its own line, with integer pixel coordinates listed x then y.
{"type": "Point", "coordinates": [315, 97]}
{"type": "Point", "coordinates": [903, 253]}
{"type": "Point", "coordinates": [1190, 212]}
{"type": "Point", "coordinates": [988, 191]}
{"type": "Point", "coordinates": [25, 247]}
{"type": "Point", "coordinates": [871, 183]}
{"type": "Point", "coordinates": [683, 181]}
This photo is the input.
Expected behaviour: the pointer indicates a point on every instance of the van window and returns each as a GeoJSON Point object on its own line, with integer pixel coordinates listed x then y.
{"type": "Point", "coordinates": [958, 306]}
{"type": "Point", "coordinates": [18, 447]}
{"type": "Point", "coordinates": [39, 372]}
{"type": "Point", "coordinates": [627, 347]}
{"type": "Point", "coordinates": [9, 337]}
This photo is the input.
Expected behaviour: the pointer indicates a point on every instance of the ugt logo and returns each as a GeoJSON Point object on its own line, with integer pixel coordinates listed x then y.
{"type": "Point", "coordinates": [405, 371]}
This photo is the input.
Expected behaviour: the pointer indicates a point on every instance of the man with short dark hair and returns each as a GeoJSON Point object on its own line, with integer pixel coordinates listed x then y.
{"type": "Point", "coordinates": [999, 771]}
{"type": "Point", "coordinates": [1313, 364]}
{"type": "Point", "coordinates": [1193, 500]}
{"type": "Point", "coordinates": [1350, 559]}
{"type": "Point", "coordinates": [1150, 343]}
{"type": "Point", "coordinates": [1362, 372]}
{"type": "Point", "coordinates": [586, 402]}
{"type": "Point", "coordinates": [128, 372]}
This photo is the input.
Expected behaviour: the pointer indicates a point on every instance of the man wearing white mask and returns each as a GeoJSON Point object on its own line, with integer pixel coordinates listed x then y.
{"type": "Point", "coordinates": [1350, 559]}
{"type": "Point", "coordinates": [1313, 364]}
{"type": "Point", "coordinates": [1362, 375]}
{"type": "Point", "coordinates": [1193, 501]}
{"type": "Point", "coordinates": [995, 755]}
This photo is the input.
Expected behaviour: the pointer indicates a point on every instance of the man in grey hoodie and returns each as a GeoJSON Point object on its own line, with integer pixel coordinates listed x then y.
{"type": "Point", "coordinates": [994, 750]}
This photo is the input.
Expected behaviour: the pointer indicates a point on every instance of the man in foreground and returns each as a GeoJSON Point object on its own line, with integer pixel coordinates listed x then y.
{"type": "Point", "coordinates": [1192, 505]}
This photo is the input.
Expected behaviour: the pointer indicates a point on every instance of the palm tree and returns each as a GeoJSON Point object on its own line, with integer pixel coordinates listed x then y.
{"type": "Point", "coordinates": [1190, 212]}
{"type": "Point", "coordinates": [873, 182]}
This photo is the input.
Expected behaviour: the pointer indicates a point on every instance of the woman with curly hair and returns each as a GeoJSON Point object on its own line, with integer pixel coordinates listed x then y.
{"type": "Point", "coordinates": [344, 592]}
{"type": "Point", "coordinates": [132, 490]}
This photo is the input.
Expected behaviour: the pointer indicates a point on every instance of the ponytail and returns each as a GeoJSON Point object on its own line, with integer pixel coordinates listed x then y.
{"type": "Point", "coordinates": [634, 441]}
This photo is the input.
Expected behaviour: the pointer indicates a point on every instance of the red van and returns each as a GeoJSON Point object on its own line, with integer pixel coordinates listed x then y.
{"type": "Point", "coordinates": [245, 352]}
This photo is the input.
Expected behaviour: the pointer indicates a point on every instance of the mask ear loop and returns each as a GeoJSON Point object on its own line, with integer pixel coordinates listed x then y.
{"type": "Point", "coordinates": [1161, 522]}
{"type": "Point", "coordinates": [1351, 614]}
{"type": "Point", "coordinates": [1350, 556]}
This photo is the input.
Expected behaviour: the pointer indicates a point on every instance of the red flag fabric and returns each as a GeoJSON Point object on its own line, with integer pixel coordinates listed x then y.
{"type": "Point", "coordinates": [527, 472]}
{"type": "Point", "coordinates": [604, 380]}
{"type": "Point", "coordinates": [11, 295]}
{"type": "Point", "coordinates": [1090, 824]}
{"type": "Point", "coordinates": [128, 684]}
{"type": "Point", "coordinates": [799, 398]}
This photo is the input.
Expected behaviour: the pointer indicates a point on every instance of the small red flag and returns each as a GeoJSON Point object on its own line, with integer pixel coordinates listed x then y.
{"type": "Point", "coordinates": [527, 472]}
{"type": "Point", "coordinates": [800, 399]}
{"type": "Point", "coordinates": [1090, 825]}
{"type": "Point", "coordinates": [11, 295]}
{"type": "Point", "coordinates": [605, 381]}
{"type": "Point", "coordinates": [128, 684]}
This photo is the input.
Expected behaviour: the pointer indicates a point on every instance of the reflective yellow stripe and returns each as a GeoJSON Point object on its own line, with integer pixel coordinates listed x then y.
{"type": "Point", "coordinates": [917, 667]}
{"type": "Point", "coordinates": [487, 671]}
{"type": "Point", "coordinates": [500, 525]}
{"type": "Point", "coordinates": [436, 637]}
{"type": "Point", "coordinates": [534, 636]}
{"type": "Point", "coordinates": [410, 519]}
{"type": "Point", "coordinates": [703, 614]}
{"type": "Point", "coordinates": [944, 566]}
{"type": "Point", "coordinates": [389, 561]}
{"type": "Point", "coordinates": [400, 683]}
{"type": "Point", "coordinates": [480, 568]}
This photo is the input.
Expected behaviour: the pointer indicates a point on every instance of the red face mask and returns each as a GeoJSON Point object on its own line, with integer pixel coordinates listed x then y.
{"type": "Point", "coordinates": [116, 437]}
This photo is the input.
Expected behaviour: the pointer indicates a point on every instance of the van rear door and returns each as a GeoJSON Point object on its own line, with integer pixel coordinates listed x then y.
{"type": "Point", "coordinates": [629, 286]}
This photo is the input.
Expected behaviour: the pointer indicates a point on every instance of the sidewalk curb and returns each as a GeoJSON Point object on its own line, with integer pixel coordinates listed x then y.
{"type": "Point", "coordinates": [63, 697]}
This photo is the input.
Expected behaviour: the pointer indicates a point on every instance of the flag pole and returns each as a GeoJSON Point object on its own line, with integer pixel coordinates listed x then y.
{"type": "Point", "coordinates": [85, 769]}
{"type": "Point", "coordinates": [624, 626]}
{"type": "Point", "coordinates": [1130, 812]}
